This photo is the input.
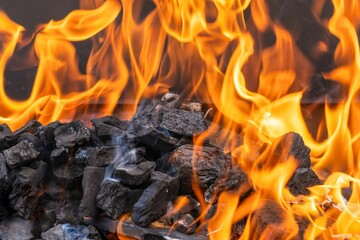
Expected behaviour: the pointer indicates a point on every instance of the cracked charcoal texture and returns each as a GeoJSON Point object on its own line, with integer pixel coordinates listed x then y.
{"type": "Point", "coordinates": [71, 134]}
{"type": "Point", "coordinates": [135, 175]}
{"type": "Point", "coordinates": [20, 154]}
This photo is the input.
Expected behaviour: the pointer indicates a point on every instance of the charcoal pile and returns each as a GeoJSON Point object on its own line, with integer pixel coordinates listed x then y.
{"type": "Point", "coordinates": [70, 181]}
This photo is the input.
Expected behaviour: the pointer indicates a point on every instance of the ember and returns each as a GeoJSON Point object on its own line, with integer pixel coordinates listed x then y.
{"type": "Point", "coordinates": [180, 120]}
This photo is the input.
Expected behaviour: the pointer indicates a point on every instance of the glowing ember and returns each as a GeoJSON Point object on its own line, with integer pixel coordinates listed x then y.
{"type": "Point", "coordinates": [254, 67]}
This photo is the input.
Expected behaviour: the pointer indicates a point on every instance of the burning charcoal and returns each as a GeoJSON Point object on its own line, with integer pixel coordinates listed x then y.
{"type": "Point", "coordinates": [186, 224]}
{"type": "Point", "coordinates": [292, 145]}
{"type": "Point", "coordinates": [134, 175]}
{"type": "Point", "coordinates": [59, 157]}
{"type": "Point", "coordinates": [71, 134]}
{"type": "Point", "coordinates": [156, 139]}
{"type": "Point", "coordinates": [24, 197]}
{"type": "Point", "coordinates": [151, 205]}
{"type": "Point", "coordinates": [301, 180]}
{"type": "Point", "coordinates": [68, 175]}
{"type": "Point", "coordinates": [35, 172]}
{"type": "Point", "coordinates": [191, 106]}
{"type": "Point", "coordinates": [236, 179]}
{"type": "Point", "coordinates": [183, 122]}
{"type": "Point", "coordinates": [96, 156]}
{"type": "Point", "coordinates": [170, 97]}
{"type": "Point", "coordinates": [31, 126]}
{"type": "Point", "coordinates": [20, 154]}
{"type": "Point", "coordinates": [238, 229]}
{"type": "Point", "coordinates": [93, 176]}
{"type": "Point", "coordinates": [208, 163]}
{"type": "Point", "coordinates": [47, 134]}
{"type": "Point", "coordinates": [43, 151]}
{"type": "Point", "coordinates": [346, 192]}
{"type": "Point", "coordinates": [109, 126]}
{"type": "Point", "coordinates": [115, 199]}
{"type": "Point", "coordinates": [56, 192]}
{"type": "Point", "coordinates": [16, 228]}
{"type": "Point", "coordinates": [5, 132]}
{"type": "Point", "coordinates": [171, 182]}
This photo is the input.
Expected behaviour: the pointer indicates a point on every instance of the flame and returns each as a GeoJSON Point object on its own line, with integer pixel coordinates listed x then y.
{"type": "Point", "coordinates": [239, 56]}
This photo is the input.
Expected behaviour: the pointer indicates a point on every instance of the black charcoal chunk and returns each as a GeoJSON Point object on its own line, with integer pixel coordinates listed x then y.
{"type": "Point", "coordinates": [155, 139]}
{"type": "Point", "coordinates": [172, 183]}
{"type": "Point", "coordinates": [71, 134]}
{"type": "Point", "coordinates": [68, 175]}
{"type": "Point", "coordinates": [183, 122]}
{"type": "Point", "coordinates": [134, 175]}
{"type": "Point", "coordinates": [31, 126]}
{"type": "Point", "coordinates": [152, 204]}
{"type": "Point", "coordinates": [5, 132]}
{"type": "Point", "coordinates": [109, 126]}
{"type": "Point", "coordinates": [47, 134]}
{"type": "Point", "coordinates": [302, 179]}
{"type": "Point", "coordinates": [59, 157]}
{"type": "Point", "coordinates": [20, 154]}
{"type": "Point", "coordinates": [186, 224]}
{"type": "Point", "coordinates": [96, 156]}
{"type": "Point", "coordinates": [15, 228]}
{"type": "Point", "coordinates": [207, 163]}
{"type": "Point", "coordinates": [24, 197]}
{"type": "Point", "coordinates": [34, 173]}
{"type": "Point", "coordinates": [43, 151]}
{"type": "Point", "coordinates": [115, 199]}
{"type": "Point", "coordinates": [93, 177]}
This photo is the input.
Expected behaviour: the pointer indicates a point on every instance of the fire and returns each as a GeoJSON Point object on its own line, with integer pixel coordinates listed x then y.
{"type": "Point", "coordinates": [250, 63]}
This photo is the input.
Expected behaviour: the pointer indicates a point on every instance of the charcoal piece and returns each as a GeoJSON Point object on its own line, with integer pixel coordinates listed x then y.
{"type": "Point", "coordinates": [109, 126]}
{"type": "Point", "coordinates": [43, 151]}
{"type": "Point", "coordinates": [47, 220]}
{"type": "Point", "coordinates": [152, 204]}
{"type": "Point", "coordinates": [96, 156]}
{"type": "Point", "coordinates": [47, 134]}
{"type": "Point", "coordinates": [22, 153]}
{"type": "Point", "coordinates": [93, 176]}
{"type": "Point", "coordinates": [186, 224]}
{"type": "Point", "coordinates": [172, 183]}
{"type": "Point", "coordinates": [235, 180]}
{"type": "Point", "coordinates": [155, 139]}
{"type": "Point", "coordinates": [59, 157]}
{"type": "Point", "coordinates": [70, 232]}
{"type": "Point", "coordinates": [4, 177]}
{"type": "Point", "coordinates": [5, 132]}
{"type": "Point", "coordinates": [34, 173]}
{"type": "Point", "coordinates": [302, 179]}
{"type": "Point", "coordinates": [191, 106]}
{"type": "Point", "coordinates": [71, 134]}
{"type": "Point", "coordinates": [115, 199]}
{"type": "Point", "coordinates": [93, 233]}
{"type": "Point", "coordinates": [292, 145]}
{"type": "Point", "coordinates": [238, 229]}
{"type": "Point", "coordinates": [66, 208]}
{"type": "Point", "coordinates": [188, 206]}
{"type": "Point", "coordinates": [68, 175]}
{"type": "Point", "coordinates": [346, 192]}
{"type": "Point", "coordinates": [207, 163]}
{"type": "Point", "coordinates": [31, 126]}
{"type": "Point", "coordinates": [55, 233]}
{"type": "Point", "coordinates": [24, 197]}
{"type": "Point", "coordinates": [183, 122]}
{"type": "Point", "coordinates": [134, 175]}
{"type": "Point", "coordinates": [15, 228]}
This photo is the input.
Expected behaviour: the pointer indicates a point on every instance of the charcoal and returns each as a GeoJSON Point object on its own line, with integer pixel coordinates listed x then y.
{"type": "Point", "coordinates": [24, 197]}
{"type": "Point", "coordinates": [208, 164]}
{"type": "Point", "coordinates": [238, 229]}
{"type": "Point", "coordinates": [59, 157]}
{"type": "Point", "coordinates": [302, 179]}
{"type": "Point", "coordinates": [71, 232]}
{"type": "Point", "coordinates": [35, 172]}
{"type": "Point", "coordinates": [191, 106]}
{"type": "Point", "coordinates": [47, 134]}
{"type": "Point", "coordinates": [43, 151]}
{"type": "Point", "coordinates": [235, 180]}
{"type": "Point", "coordinates": [31, 126]}
{"type": "Point", "coordinates": [186, 224]}
{"type": "Point", "coordinates": [156, 139]}
{"type": "Point", "coordinates": [346, 192]}
{"type": "Point", "coordinates": [183, 122]}
{"type": "Point", "coordinates": [66, 209]}
{"type": "Point", "coordinates": [15, 228]}
{"type": "Point", "coordinates": [5, 132]}
{"type": "Point", "coordinates": [4, 177]}
{"type": "Point", "coordinates": [134, 175]}
{"type": "Point", "coordinates": [71, 134]}
{"type": "Point", "coordinates": [96, 156]}
{"type": "Point", "coordinates": [109, 126]}
{"type": "Point", "coordinates": [56, 192]}
{"type": "Point", "coordinates": [115, 199]}
{"type": "Point", "coordinates": [68, 175]}
{"type": "Point", "coordinates": [47, 220]}
{"type": "Point", "coordinates": [170, 97]}
{"type": "Point", "coordinates": [188, 206]}
{"type": "Point", "coordinates": [172, 183]}
{"type": "Point", "coordinates": [93, 176]}
{"type": "Point", "coordinates": [152, 204]}
{"type": "Point", "coordinates": [292, 145]}
{"type": "Point", "coordinates": [20, 154]}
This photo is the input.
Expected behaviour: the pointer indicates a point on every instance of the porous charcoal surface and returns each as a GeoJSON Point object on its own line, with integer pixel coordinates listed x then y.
{"type": "Point", "coordinates": [20, 154]}
{"type": "Point", "coordinates": [71, 134]}
{"type": "Point", "coordinates": [135, 175]}
{"type": "Point", "coordinates": [302, 179]}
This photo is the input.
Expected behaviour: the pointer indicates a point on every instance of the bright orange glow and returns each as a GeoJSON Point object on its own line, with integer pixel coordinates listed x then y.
{"type": "Point", "coordinates": [237, 56]}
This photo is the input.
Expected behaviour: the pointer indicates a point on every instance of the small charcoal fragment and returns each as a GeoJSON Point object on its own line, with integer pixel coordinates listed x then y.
{"type": "Point", "coordinates": [68, 175]}
{"type": "Point", "coordinates": [47, 134]}
{"type": "Point", "coordinates": [71, 134]}
{"type": "Point", "coordinates": [24, 197]}
{"type": "Point", "coordinates": [152, 204]}
{"type": "Point", "coordinates": [172, 183]}
{"type": "Point", "coordinates": [346, 192]}
{"type": "Point", "coordinates": [188, 206]}
{"type": "Point", "coordinates": [109, 126]}
{"type": "Point", "coordinates": [35, 172]}
{"type": "Point", "coordinates": [43, 151]}
{"type": "Point", "coordinates": [96, 156]}
{"type": "Point", "coordinates": [93, 176]}
{"type": "Point", "coordinates": [208, 163]}
{"type": "Point", "coordinates": [155, 139]}
{"type": "Point", "coordinates": [115, 199]}
{"type": "Point", "coordinates": [186, 224]}
{"type": "Point", "coordinates": [59, 157]}
{"type": "Point", "coordinates": [20, 154]}
{"type": "Point", "coordinates": [134, 175]}
{"type": "Point", "coordinates": [302, 179]}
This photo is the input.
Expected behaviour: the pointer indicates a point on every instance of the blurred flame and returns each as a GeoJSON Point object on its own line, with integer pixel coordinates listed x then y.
{"type": "Point", "coordinates": [217, 51]}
